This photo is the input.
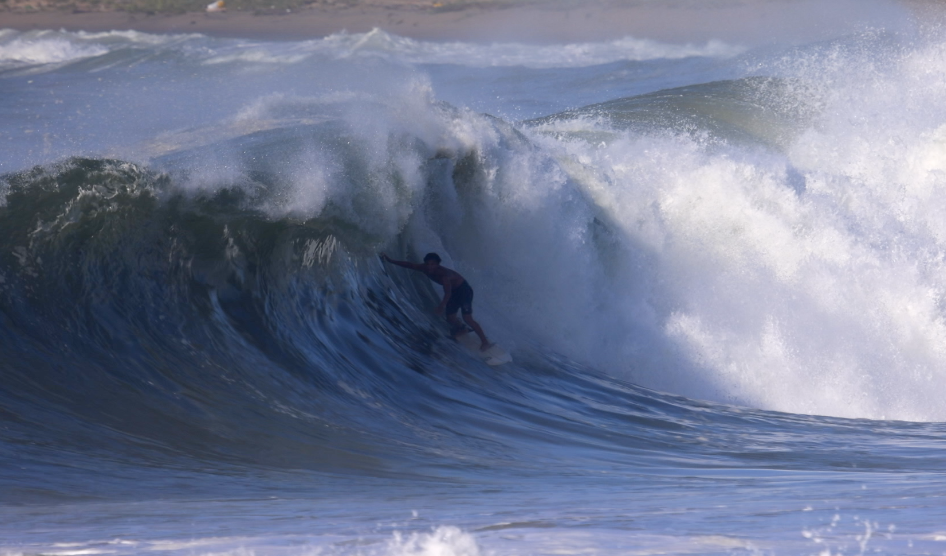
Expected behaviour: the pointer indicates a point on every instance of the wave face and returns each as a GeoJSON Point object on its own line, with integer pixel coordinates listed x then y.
{"type": "Point", "coordinates": [712, 266]}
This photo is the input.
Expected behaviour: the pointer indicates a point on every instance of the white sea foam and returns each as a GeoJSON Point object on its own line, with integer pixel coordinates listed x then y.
{"type": "Point", "coordinates": [378, 42]}
{"type": "Point", "coordinates": [22, 51]}
{"type": "Point", "coordinates": [57, 47]}
{"type": "Point", "coordinates": [826, 298]}
{"type": "Point", "coordinates": [259, 53]}
{"type": "Point", "coordinates": [130, 37]}
{"type": "Point", "coordinates": [776, 280]}
{"type": "Point", "coordinates": [836, 534]}
{"type": "Point", "coordinates": [48, 47]}
{"type": "Point", "coordinates": [808, 280]}
{"type": "Point", "coordinates": [444, 540]}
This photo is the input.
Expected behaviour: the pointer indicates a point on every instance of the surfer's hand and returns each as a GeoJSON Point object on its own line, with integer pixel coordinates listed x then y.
{"type": "Point", "coordinates": [384, 257]}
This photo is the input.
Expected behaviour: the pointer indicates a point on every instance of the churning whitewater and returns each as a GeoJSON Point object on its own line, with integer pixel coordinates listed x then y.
{"type": "Point", "coordinates": [721, 271]}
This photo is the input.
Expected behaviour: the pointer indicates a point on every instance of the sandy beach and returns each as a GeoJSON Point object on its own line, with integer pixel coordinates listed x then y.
{"type": "Point", "coordinates": [744, 22]}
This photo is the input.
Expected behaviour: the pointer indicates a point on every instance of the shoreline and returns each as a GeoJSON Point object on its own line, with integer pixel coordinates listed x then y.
{"type": "Point", "coordinates": [751, 23]}
{"type": "Point", "coordinates": [474, 23]}
{"type": "Point", "coordinates": [533, 23]}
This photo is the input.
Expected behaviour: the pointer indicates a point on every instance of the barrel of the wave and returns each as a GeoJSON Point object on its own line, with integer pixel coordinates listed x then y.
{"type": "Point", "coordinates": [458, 296]}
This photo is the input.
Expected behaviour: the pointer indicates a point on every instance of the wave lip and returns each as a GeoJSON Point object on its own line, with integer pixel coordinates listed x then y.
{"type": "Point", "coordinates": [378, 42]}
{"type": "Point", "coordinates": [45, 51]}
{"type": "Point", "coordinates": [40, 48]}
{"type": "Point", "coordinates": [18, 49]}
{"type": "Point", "coordinates": [150, 325]}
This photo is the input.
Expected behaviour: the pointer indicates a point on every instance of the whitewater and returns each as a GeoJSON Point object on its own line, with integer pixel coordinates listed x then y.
{"type": "Point", "coordinates": [720, 268]}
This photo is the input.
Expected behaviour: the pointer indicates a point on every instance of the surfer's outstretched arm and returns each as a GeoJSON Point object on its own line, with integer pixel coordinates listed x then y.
{"type": "Point", "coordinates": [405, 264]}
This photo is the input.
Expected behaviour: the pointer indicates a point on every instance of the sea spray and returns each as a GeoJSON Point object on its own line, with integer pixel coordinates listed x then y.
{"type": "Point", "coordinates": [731, 241]}
{"type": "Point", "coordinates": [809, 280]}
{"type": "Point", "coordinates": [200, 351]}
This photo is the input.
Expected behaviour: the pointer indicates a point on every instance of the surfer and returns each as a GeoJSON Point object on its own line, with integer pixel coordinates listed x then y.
{"type": "Point", "coordinates": [457, 294]}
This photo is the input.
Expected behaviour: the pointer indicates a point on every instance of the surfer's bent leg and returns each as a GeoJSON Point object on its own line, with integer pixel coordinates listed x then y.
{"type": "Point", "coordinates": [453, 305]}
{"type": "Point", "coordinates": [465, 302]}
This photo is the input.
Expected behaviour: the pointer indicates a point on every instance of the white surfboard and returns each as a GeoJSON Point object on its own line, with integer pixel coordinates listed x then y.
{"type": "Point", "coordinates": [493, 356]}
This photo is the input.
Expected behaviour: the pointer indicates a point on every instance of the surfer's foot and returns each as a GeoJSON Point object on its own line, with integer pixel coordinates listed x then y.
{"type": "Point", "coordinates": [486, 345]}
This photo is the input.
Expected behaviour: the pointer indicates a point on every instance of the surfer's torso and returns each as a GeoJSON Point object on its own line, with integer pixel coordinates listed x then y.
{"type": "Point", "coordinates": [443, 275]}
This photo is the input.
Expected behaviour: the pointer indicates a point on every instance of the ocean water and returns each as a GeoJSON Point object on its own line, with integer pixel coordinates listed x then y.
{"type": "Point", "coordinates": [720, 268]}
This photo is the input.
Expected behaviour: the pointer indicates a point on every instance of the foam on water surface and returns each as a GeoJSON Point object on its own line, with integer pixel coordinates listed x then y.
{"type": "Point", "coordinates": [719, 271]}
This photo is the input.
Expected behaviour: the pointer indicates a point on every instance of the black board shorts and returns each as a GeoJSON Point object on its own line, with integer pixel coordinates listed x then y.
{"type": "Point", "coordinates": [461, 298]}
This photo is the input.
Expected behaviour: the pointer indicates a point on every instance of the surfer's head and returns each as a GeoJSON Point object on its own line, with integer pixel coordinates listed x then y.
{"type": "Point", "coordinates": [432, 259]}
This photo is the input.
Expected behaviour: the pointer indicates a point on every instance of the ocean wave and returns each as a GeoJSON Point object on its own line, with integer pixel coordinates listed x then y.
{"type": "Point", "coordinates": [44, 48]}
{"type": "Point", "coordinates": [57, 47]}
{"type": "Point", "coordinates": [742, 221]}
{"type": "Point", "coordinates": [149, 323]}
{"type": "Point", "coordinates": [37, 52]}
{"type": "Point", "coordinates": [378, 42]}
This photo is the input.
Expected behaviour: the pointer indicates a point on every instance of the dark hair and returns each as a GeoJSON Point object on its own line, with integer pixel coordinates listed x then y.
{"type": "Point", "coordinates": [432, 257]}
